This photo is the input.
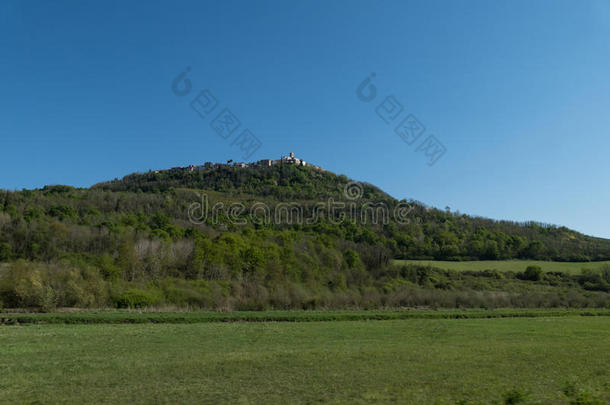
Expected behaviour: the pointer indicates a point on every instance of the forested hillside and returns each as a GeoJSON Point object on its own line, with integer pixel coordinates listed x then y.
{"type": "Point", "coordinates": [431, 233]}
{"type": "Point", "coordinates": [134, 241]}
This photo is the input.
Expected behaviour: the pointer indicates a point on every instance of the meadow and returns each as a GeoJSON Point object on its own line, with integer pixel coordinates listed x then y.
{"type": "Point", "coordinates": [509, 265]}
{"type": "Point", "coordinates": [543, 359]}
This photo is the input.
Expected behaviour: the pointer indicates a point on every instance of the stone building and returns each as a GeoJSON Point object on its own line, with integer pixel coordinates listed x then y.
{"type": "Point", "coordinates": [292, 160]}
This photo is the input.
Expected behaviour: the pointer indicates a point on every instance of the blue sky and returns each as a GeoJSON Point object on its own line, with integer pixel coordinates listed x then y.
{"type": "Point", "coordinates": [516, 91]}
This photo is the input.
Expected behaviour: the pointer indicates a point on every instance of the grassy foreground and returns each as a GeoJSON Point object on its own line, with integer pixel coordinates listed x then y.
{"type": "Point", "coordinates": [418, 361]}
{"type": "Point", "coordinates": [508, 265]}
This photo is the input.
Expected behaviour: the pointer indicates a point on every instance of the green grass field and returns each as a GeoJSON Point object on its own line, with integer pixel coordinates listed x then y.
{"type": "Point", "coordinates": [416, 361]}
{"type": "Point", "coordinates": [509, 265]}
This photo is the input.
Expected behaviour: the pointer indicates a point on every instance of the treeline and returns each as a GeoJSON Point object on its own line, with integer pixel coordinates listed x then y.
{"type": "Point", "coordinates": [49, 286]}
{"type": "Point", "coordinates": [440, 235]}
{"type": "Point", "coordinates": [283, 182]}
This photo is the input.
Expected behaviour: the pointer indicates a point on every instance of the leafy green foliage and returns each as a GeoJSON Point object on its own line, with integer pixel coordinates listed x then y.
{"type": "Point", "coordinates": [532, 273]}
{"type": "Point", "coordinates": [135, 298]}
{"type": "Point", "coordinates": [135, 233]}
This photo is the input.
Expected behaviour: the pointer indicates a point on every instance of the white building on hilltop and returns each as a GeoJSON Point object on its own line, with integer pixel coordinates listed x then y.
{"type": "Point", "coordinates": [291, 160]}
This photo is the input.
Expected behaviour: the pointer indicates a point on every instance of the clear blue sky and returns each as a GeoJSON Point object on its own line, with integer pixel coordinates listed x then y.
{"type": "Point", "coordinates": [517, 91]}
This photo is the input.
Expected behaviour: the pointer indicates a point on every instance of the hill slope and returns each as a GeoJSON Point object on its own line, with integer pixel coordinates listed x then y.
{"type": "Point", "coordinates": [261, 236]}
{"type": "Point", "coordinates": [429, 234]}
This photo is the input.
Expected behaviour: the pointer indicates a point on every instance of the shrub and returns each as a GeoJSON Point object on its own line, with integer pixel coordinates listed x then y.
{"type": "Point", "coordinates": [532, 273]}
{"type": "Point", "coordinates": [48, 299]}
{"type": "Point", "coordinates": [22, 286]}
{"type": "Point", "coordinates": [187, 293]}
{"type": "Point", "coordinates": [136, 298]}
{"type": "Point", "coordinates": [47, 286]}
{"type": "Point", "coordinates": [594, 280]}
{"type": "Point", "coordinates": [6, 251]}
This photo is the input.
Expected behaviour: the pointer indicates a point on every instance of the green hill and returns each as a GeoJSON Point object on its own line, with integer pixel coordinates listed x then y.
{"type": "Point", "coordinates": [257, 237]}
{"type": "Point", "coordinates": [429, 234]}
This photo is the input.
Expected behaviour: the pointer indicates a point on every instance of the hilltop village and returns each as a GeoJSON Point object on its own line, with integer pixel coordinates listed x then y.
{"type": "Point", "coordinates": [285, 160]}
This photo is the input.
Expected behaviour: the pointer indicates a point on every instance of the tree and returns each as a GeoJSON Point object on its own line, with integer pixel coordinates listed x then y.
{"type": "Point", "coordinates": [532, 273]}
{"type": "Point", "coordinates": [6, 251]}
{"type": "Point", "coordinates": [491, 250]}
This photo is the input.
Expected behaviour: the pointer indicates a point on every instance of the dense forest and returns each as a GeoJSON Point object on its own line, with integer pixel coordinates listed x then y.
{"type": "Point", "coordinates": [133, 242]}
